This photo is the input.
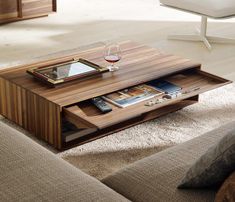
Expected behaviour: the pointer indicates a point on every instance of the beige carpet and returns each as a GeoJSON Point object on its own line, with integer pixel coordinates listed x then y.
{"type": "Point", "coordinates": [104, 156]}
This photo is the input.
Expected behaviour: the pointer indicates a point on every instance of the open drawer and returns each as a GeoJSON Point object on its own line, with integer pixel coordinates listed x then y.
{"type": "Point", "coordinates": [193, 82]}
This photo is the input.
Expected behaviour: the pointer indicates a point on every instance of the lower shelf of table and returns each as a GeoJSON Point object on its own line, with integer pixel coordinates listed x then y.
{"type": "Point", "coordinates": [75, 137]}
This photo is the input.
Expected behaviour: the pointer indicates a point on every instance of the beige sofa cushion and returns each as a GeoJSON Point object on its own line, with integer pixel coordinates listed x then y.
{"type": "Point", "coordinates": [28, 172]}
{"type": "Point", "coordinates": [156, 178]}
{"type": "Point", "coordinates": [213, 167]}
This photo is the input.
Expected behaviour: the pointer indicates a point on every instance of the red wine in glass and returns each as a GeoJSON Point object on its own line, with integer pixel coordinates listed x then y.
{"type": "Point", "coordinates": [112, 58]}
{"type": "Point", "coordinates": [112, 54]}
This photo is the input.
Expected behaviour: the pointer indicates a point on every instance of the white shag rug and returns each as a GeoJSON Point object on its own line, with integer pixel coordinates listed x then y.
{"type": "Point", "coordinates": [106, 155]}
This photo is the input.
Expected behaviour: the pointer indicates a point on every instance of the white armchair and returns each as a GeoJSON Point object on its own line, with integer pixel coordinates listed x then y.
{"type": "Point", "coordinates": [216, 9]}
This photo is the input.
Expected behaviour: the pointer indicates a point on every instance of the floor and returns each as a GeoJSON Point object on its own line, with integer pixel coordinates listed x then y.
{"type": "Point", "coordinates": [81, 22]}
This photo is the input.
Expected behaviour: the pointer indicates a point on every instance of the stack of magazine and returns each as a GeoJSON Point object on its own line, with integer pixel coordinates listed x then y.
{"type": "Point", "coordinates": [165, 86]}
{"type": "Point", "coordinates": [136, 94]}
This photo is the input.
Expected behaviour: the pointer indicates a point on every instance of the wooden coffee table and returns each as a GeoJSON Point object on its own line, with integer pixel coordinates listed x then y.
{"type": "Point", "coordinates": [64, 116]}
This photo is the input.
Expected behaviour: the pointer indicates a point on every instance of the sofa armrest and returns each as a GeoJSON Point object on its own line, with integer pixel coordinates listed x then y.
{"type": "Point", "coordinates": [28, 172]}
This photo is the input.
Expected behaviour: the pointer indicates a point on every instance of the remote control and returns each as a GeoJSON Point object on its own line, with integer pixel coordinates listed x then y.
{"type": "Point", "coordinates": [101, 105]}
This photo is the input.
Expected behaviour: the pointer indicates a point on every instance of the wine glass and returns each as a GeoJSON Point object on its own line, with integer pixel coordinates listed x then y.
{"type": "Point", "coordinates": [112, 54]}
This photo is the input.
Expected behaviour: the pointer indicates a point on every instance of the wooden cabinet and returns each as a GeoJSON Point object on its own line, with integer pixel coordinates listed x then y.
{"type": "Point", "coordinates": [14, 10]}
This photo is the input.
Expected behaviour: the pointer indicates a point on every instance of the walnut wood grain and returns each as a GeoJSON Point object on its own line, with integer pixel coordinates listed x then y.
{"type": "Point", "coordinates": [41, 109]}
{"type": "Point", "coordinates": [36, 7]}
{"type": "Point", "coordinates": [8, 9]}
{"type": "Point", "coordinates": [150, 64]}
{"type": "Point", "coordinates": [30, 111]}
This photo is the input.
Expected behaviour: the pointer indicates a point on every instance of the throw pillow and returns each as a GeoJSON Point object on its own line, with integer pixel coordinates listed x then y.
{"type": "Point", "coordinates": [212, 168]}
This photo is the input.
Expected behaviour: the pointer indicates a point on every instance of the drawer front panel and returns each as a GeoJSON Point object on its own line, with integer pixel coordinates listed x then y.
{"type": "Point", "coordinates": [8, 9]}
{"type": "Point", "coordinates": [36, 7]}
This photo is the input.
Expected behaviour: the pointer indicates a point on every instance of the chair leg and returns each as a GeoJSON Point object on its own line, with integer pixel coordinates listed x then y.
{"type": "Point", "coordinates": [214, 39]}
{"type": "Point", "coordinates": [202, 37]}
{"type": "Point", "coordinates": [185, 37]}
{"type": "Point", "coordinates": [197, 37]}
{"type": "Point", "coordinates": [203, 29]}
{"type": "Point", "coordinates": [207, 43]}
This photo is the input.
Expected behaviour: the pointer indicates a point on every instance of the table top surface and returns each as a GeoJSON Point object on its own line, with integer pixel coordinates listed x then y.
{"type": "Point", "coordinates": [139, 64]}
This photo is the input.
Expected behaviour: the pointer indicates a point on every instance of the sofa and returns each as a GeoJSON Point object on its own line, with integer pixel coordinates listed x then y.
{"type": "Point", "coordinates": [29, 172]}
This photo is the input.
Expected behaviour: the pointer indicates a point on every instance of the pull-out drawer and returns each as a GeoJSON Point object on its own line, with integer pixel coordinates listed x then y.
{"type": "Point", "coordinates": [193, 82]}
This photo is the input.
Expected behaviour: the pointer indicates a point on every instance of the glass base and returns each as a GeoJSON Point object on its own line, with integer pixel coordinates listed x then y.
{"type": "Point", "coordinates": [113, 68]}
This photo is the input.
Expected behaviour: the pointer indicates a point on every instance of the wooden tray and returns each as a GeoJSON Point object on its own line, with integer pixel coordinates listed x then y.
{"type": "Point", "coordinates": [35, 71]}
